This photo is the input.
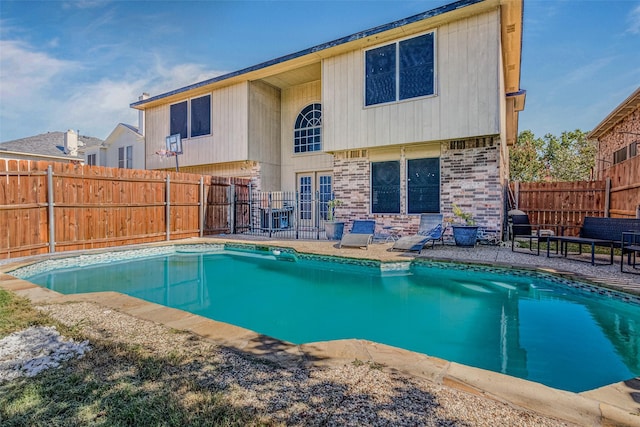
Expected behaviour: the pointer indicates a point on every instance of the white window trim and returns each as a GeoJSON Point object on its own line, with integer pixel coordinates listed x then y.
{"type": "Point", "coordinates": [188, 101]}
{"type": "Point", "coordinates": [293, 132]}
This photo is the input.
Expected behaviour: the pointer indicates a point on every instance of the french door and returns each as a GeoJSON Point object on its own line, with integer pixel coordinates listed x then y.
{"type": "Point", "coordinates": [315, 189]}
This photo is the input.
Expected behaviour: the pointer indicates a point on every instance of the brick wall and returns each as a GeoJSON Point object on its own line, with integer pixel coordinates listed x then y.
{"type": "Point", "coordinates": [469, 177]}
{"type": "Point", "coordinates": [351, 184]}
{"type": "Point", "coordinates": [621, 135]}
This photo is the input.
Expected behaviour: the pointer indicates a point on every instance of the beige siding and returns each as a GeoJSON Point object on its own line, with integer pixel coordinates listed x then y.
{"type": "Point", "coordinates": [264, 123]}
{"type": "Point", "coordinates": [236, 169]}
{"type": "Point", "coordinates": [466, 102]}
{"type": "Point", "coordinates": [228, 141]}
{"type": "Point", "coordinates": [294, 99]}
{"type": "Point", "coordinates": [264, 131]}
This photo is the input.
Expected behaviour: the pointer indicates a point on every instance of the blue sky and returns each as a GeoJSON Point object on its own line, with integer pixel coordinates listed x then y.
{"type": "Point", "coordinates": [79, 64]}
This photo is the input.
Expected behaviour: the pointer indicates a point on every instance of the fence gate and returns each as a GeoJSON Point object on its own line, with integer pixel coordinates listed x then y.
{"type": "Point", "coordinates": [287, 214]}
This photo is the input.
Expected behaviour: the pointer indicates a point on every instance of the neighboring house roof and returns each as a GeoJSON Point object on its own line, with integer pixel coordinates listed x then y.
{"type": "Point", "coordinates": [130, 127]}
{"type": "Point", "coordinates": [512, 35]}
{"type": "Point", "coordinates": [119, 130]}
{"type": "Point", "coordinates": [48, 144]}
{"type": "Point", "coordinates": [620, 112]}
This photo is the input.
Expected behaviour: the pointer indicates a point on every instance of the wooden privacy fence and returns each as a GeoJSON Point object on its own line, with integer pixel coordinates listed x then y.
{"type": "Point", "coordinates": [52, 207]}
{"type": "Point", "coordinates": [567, 203]}
{"type": "Point", "coordinates": [625, 188]}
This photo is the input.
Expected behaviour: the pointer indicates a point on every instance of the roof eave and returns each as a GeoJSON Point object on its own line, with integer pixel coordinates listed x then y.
{"type": "Point", "coordinates": [316, 51]}
{"type": "Point", "coordinates": [620, 112]}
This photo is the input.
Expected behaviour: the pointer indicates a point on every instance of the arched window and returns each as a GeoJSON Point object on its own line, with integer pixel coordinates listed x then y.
{"type": "Point", "coordinates": [307, 133]}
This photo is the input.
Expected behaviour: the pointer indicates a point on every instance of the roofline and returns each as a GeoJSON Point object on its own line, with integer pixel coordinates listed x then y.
{"type": "Point", "coordinates": [47, 156]}
{"type": "Point", "coordinates": [631, 103]}
{"type": "Point", "coordinates": [353, 37]}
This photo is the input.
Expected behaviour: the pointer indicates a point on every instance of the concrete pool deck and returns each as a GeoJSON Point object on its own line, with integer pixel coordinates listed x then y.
{"type": "Point", "coordinates": [615, 404]}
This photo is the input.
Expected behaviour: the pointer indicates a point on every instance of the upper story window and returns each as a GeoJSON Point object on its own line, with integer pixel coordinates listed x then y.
{"type": "Point", "coordinates": [620, 155]}
{"type": "Point", "coordinates": [307, 133]}
{"type": "Point", "coordinates": [200, 122]}
{"type": "Point", "coordinates": [91, 159]}
{"type": "Point", "coordinates": [178, 124]}
{"type": "Point", "coordinates": [402, 70]}
{"type": "Point", "coordinates": [625, 153]}
{"type": "Point", "coordinates": [201, 116]}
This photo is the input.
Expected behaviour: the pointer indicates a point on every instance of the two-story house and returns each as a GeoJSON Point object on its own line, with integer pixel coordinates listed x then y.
{"type": "Point", "coordinates": [404, 118]}
{"type": "Point", "coordinates": [124, 148]}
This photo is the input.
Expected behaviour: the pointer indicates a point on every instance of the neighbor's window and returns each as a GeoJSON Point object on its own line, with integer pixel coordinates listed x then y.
{"type": "Point", "coordinates": [401, 70]}
{"type": "Point", "coordinates": [620, 155]}
{"type": "Point", "coordinates": [201, 116]}
{"type": "Point", "coordinates": [125, 157]}
{"type": "Point", "coordinates": [307, 133]}
{"type": "Point", "coordinates": [385, 187]}
{"type": "Point", "coordinates": [91, 159]}
{"type": "Point", "coordinates": [423, 185]}
{"type": "Point", "coordinates": [178, 113]}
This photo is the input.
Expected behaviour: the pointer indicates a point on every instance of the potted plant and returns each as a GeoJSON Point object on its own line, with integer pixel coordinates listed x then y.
{"type": "Point", "coordinates": [465, 231]}
{"type": "Point", "coordinates": [332, 228]}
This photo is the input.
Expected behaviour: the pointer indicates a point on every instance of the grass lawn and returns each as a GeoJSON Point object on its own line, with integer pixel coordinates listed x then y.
{"type": "Point", "coordinates": [114, 384]}
{"type": "Point", "coordinates": [573, 248]}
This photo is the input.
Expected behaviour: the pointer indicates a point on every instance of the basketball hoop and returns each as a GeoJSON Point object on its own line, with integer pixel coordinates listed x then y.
{"type": "Point", "coordinates": [174, 147]}
{"type": "Point", "coordinates": [165, 154]}
{"type": "Point", "coordinates": [174, 143]}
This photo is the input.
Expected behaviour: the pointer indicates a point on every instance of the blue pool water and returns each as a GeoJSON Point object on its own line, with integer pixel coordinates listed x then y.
{"type": "Point", "coordinates": [521, 325]}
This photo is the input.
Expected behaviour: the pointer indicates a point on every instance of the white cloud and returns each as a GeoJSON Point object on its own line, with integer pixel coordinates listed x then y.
{"type": "Point", "coordinates": [587, 71]}
{"type": "Point", "coordinates": [40, 93]}
{"type": "Point", "coordinates": [634, 21]}
{"type": "Point", "coordinates": [29, 81]}
{"type": "Point", "coordinates": [25, 72]}
{"type": "Point", "coordinates": [163, 79]}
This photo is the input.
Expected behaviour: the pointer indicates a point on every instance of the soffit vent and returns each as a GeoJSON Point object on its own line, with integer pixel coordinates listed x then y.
{"type": "Point", "coordinates": [462, 144]}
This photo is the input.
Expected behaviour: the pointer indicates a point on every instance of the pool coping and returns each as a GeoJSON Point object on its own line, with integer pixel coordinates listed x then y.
{"type": "Point", "coordinates": [614, 404]}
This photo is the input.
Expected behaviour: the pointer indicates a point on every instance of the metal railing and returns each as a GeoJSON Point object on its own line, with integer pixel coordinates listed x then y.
{"type": "Point", "coordinates": [288, 215]}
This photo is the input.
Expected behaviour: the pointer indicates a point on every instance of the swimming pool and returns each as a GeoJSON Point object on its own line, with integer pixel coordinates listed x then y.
{"type": "Point", "coordinates": [526, 325]}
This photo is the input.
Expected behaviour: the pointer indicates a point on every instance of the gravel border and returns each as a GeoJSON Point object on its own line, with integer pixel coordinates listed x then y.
{"type": "Point", "coordinates": [354, 394]}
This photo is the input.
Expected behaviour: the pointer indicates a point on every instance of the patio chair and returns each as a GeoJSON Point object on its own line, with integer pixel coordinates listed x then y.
{"type": "Point", "coordinates": [521, 227]}
{"type": "Point", "coordinates": [361, 234]}
{"type": "Point", "coordinates": [431, 229]}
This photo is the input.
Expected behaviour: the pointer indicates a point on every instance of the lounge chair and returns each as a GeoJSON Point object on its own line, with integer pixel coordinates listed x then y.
{"type": "Point", "coordinates": [361, 234]}
{"type": "Point", "coordinates": [431, 229]}
{"type": "Point", "coordinates": [521, 227]}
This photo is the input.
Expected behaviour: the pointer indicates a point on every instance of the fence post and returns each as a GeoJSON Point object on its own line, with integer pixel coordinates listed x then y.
{"type": "Point", "coordinates": [251, 206]}
{"type": "Point", "coordinates": [270, 214]}
{"type": "Point", "coordinates": [232, 208]}
{"type": "Point", "coordinates": [516, 196]}
{"type": "Point", "coordinates": [607, 197]}
{"type": "Point", "coordinates": [167, 207]}
{"type": "Point", "coordinates": [202, 207]}
{"type": "Point", "coordinates": [50, 207]}
{"type": "Point", "coordinates": [638, 212]}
